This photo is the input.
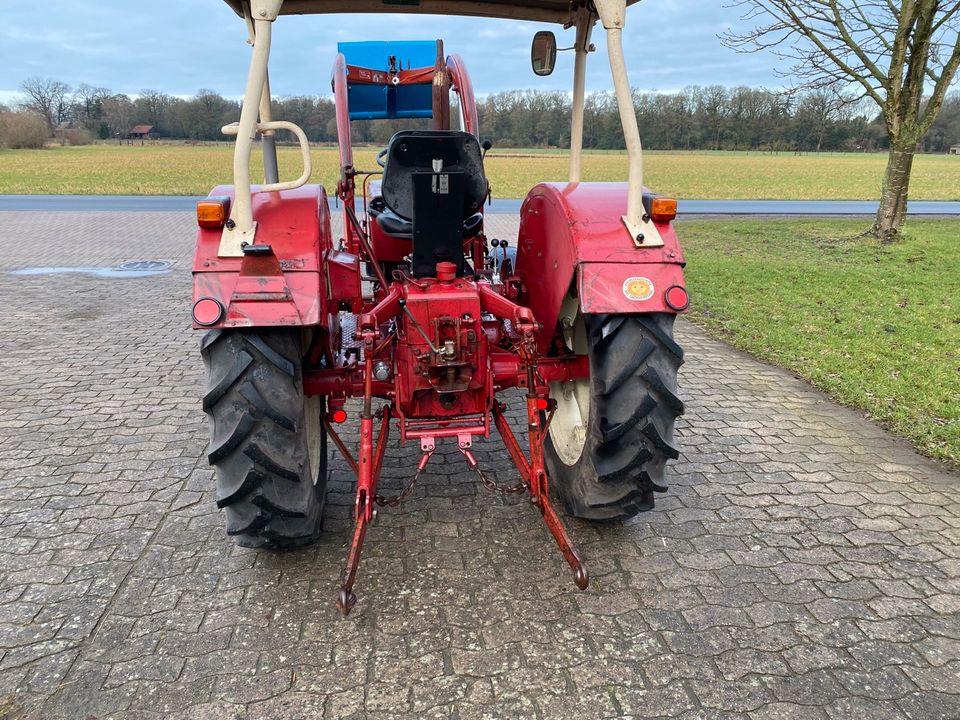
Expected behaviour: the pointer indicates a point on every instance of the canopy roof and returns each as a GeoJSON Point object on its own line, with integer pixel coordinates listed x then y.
{"type": "Point", "coordinates": [558, 11]}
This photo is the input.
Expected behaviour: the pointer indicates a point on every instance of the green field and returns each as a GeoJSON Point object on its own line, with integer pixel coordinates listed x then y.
{"type": "Point", "coordinates": [178, 169]}
{"type": "Point", "coordinates": [876, 327]}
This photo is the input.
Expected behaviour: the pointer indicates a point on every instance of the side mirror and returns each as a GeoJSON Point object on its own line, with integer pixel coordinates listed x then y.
{"type": "Point", "coordinates": [543, 53]}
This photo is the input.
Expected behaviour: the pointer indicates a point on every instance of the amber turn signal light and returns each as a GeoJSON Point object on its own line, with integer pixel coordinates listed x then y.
{"type": "Point", "coordinates": [213, 212]}
{"type": "Point", "coordinates": [663, 209]}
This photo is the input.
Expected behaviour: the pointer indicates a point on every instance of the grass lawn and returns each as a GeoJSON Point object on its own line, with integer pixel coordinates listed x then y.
{"type": "Point", "coordinates": [876, 327]}
{"type": "Point", "coordinates": [178, 169]}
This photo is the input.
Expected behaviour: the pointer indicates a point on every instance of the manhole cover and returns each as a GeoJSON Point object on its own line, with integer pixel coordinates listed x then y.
{"type": "Point", "coordinates": [144, 266]}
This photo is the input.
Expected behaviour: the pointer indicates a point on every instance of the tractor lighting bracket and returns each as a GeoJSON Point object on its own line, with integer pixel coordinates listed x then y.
{"type": "Point", "coordinates": [644, 232]}
{"type": "Point", "coordinates": [613, 15]}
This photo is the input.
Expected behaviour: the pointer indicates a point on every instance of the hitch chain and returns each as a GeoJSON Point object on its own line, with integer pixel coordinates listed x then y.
{"type": "Point", "coordinates": [500, 488]}
{"type": "Point", "coordinates": [394, 500]}
{"type": "Point", "coordinates": [488, 483]}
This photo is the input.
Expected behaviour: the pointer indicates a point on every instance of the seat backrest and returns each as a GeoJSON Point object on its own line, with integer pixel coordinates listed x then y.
{"type": "Point", "coordinates": [428, 151]}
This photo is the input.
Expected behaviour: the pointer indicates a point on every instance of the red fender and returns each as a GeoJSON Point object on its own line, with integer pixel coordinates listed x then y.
{"type": "Point", "coordinates": [289, 287]}
{"type": "Point", "coordinates": [573, 237]}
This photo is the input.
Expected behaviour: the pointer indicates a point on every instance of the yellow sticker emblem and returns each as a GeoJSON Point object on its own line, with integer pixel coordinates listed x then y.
{"type": "Point", "coordinates": [638, 288]}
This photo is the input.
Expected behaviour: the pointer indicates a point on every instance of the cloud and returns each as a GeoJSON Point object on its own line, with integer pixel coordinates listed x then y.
{"type": "Point", "coordinates": [179, 46]}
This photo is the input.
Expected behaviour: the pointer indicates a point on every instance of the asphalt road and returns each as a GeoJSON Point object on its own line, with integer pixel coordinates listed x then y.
{"type": "Point", "coordinates": [135, 203]}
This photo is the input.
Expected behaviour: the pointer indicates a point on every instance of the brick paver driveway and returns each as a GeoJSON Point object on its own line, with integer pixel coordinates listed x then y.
{"type": "Point", "coordinates": [804, 565]}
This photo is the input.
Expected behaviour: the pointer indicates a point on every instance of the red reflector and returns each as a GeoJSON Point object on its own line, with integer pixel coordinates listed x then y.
{"type": "Point", "coordinates": [542, 404]}
{"type": "Point", "coordinates": [339, 416]}
{"type": "Point", "coordinates": [677, 298]}
{"type": "Point", "coordinates": [207, 311]}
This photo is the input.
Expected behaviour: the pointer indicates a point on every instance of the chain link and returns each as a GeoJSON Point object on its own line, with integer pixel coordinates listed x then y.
{"type": "Point", "coordinates": [490, 484]}
{"type": "Point", "coordinates": [500, 488]}
{"type": "Point", "coordinates": [394, 500]}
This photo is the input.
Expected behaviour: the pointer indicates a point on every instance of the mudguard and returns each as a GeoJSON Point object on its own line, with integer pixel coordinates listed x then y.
{"type": "Point", "coordinates": [287, 287]}
{"type": "Point", "coordinates": [572, 237]}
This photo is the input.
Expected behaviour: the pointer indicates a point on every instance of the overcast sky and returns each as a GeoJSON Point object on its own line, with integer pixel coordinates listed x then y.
{"type": "Point", "coordinates": [182, 46]}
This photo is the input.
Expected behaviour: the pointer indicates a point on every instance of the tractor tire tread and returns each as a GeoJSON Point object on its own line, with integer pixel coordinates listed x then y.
{"type": "Point", "coordinates": [267, 463]}
{"type": "Point", "coordinates": [634, 405]}
{"type": "Point", "coordinates": [227, 496]}
{"type": "Point", "coordinates": [257, 411]}
{"type": "Point", "coordinates": [240, 364]}
{"type": "Point", "coordinates": [655, 383]}
{"type": "Point", "coordinates": [664, 337]}
{"type": "Point", "coordinates": [271, 355]}
{"type": "Point", "coordinates": [241, 431]}
{"type": "Point", "coordinates": [208, 340]}
{"type": "Point", "coordinates": [613, 433]}
{"type": "Point", "coordinates": [608, 387]}
{"type": "Point", "coordinates": [252, 395]}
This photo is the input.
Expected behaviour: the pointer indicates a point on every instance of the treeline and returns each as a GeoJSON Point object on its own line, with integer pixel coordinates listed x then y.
{"type": "Point", "coordinates": [696, 118]}
{"type": "Point", "coordinates": [708, 118]}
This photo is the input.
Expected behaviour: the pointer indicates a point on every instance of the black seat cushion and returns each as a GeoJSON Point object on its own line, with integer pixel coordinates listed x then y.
{"type": "Point", "coordinates": [415, 151]}
{"type": "Point", "coordinates": [393, 224]}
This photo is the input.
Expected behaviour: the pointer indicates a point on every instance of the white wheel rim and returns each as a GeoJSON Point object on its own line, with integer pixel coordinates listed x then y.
{"type": "Point", "coordinates": [313, 423]}
{"type": "Point", "coordinates": [571, 419]}
{"type": "Point", "coordinates": [312, 408]}
{"type": "Point", "coordinates": [568, 429]}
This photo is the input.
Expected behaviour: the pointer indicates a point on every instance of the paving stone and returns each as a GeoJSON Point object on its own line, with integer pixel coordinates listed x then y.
{"type": "Point", "coordinates": [805, 564]}
{"type": "Point", "coordinates": [788, 711]}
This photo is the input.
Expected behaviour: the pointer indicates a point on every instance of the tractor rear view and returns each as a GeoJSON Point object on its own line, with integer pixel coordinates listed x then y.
{"type": "Point", "coordinates": [415, 312]}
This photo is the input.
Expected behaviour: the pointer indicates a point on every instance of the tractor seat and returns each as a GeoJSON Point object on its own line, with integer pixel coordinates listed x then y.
{"type": "Point", "coordinates": [414, 152]}
{"type": "Point", "coordinates": [394, 225]}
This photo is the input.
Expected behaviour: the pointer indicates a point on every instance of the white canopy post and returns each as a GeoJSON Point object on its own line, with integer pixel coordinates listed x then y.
{"type": "Point", "coordinates": [613, 15]}
{"type": "Point", "coordinates": [243, 229]}
{"type": "Point", "coordinates": [585, 21]}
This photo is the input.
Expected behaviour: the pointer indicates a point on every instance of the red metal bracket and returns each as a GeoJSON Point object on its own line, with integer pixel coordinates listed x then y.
{"type": "Point", "coordinates": [535, 478]}
{"type": "Point", "coordinates": [368, 464]}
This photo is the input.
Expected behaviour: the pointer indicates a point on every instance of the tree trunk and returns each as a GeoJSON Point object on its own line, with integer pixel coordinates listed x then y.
{"type": "Point", "coordinates": [893, 201]}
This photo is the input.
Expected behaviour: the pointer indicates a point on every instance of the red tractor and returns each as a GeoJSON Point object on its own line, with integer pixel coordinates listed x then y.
{"type": "Point", "coordinates": [416, 313]}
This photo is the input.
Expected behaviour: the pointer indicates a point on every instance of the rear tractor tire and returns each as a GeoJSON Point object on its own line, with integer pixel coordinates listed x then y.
{"type": "Point", "coordinates": [612, 435]}
{"type": "Point", "coordinates": [267, 440]}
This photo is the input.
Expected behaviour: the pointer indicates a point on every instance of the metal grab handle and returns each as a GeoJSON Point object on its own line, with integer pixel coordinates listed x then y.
{"type": "Point", "coordinates": [234, 129]}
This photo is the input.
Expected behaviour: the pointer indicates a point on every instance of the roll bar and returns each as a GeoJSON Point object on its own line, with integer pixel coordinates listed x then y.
{"type": "Point", "coordinates": [260, 16]}
{"type": "Point", "coordinates": [464, 89]}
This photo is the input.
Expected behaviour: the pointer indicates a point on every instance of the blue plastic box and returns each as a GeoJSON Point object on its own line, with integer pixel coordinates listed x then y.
{"type": "Point", "coordinates": [376, 102]}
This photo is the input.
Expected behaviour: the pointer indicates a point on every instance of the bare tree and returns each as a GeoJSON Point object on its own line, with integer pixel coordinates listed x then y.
{"type": "Point", "coordinates": [118, 112]}
{"type": "Point", "coordinates": [714, 102]}
{"type": "Point", "coordinates": [892, 50]}
{"type": "Point", "coordinates": [49, 98]}
{"type": "Point", "coordinates": [819, 110]}
{"type": "Point", "coordinates": [88, 102]}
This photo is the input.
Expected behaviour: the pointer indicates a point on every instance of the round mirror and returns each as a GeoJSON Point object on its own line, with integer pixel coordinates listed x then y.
{"type": "Point", "coordinates": [543, 53]}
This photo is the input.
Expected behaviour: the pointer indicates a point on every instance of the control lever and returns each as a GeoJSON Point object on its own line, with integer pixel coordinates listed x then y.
{"type": "Point", "coordinates": [498, 263]}
{"type": "Point", "coordinates": [486, 145]}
